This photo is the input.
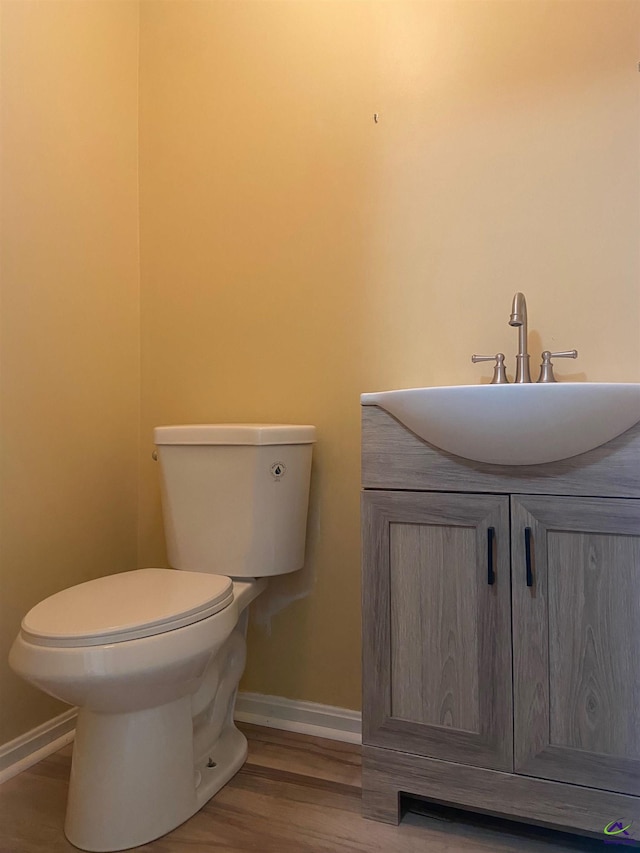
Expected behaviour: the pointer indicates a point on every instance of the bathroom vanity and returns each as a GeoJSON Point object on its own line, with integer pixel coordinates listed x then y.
{"type": "Point", "coordinates": [501, 620]}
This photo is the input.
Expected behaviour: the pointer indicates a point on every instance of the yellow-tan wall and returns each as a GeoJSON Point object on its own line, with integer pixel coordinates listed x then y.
{"type": "Point", "coordinates": [295, 253]}
{"type": "Point", "coordinates": [69, 311]}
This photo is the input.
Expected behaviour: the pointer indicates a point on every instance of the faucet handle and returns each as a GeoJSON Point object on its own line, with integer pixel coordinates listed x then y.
{"type": "Point", "coordinates": [546, 368]}
{"type": "Point", "coordinates": [499, 371]}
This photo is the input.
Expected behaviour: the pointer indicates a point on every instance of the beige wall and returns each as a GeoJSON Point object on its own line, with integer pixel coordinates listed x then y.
{"type": "Point", "coordinates": [69, 324]}
{"type": "Point", "coordinates": [295, 253]}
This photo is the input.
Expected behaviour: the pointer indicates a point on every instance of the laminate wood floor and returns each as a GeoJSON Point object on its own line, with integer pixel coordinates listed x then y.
{"type": "Point", "coordinates": [295, 794]}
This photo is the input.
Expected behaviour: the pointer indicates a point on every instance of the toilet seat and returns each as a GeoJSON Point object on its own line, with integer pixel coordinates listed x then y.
{"type": "Point", "coordinates": [126, 606]}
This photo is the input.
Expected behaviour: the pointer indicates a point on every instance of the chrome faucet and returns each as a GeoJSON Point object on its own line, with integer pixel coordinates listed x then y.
{"type": "Point", "coordinates": [523, 374]}
{"type": "Point", "coordinates": [519, 318]}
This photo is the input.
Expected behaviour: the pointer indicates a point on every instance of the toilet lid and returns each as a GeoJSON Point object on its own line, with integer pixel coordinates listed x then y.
{"type": "Point", "coordinates": [126, 606]}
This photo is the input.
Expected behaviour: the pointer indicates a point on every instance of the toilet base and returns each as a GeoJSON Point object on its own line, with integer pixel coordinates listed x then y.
{"type": "Point", "coordinates": [228, 756]}
{"type": "Point", "coordinates": [133, 777]}
{"type": "Point", "coordinates": [136, 776]}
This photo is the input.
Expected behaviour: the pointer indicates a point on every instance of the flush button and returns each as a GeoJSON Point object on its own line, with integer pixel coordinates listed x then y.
{"type": "Point", "coordinates": [278, 470]}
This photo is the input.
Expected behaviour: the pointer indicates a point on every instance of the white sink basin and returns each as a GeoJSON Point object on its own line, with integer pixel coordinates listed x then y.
{"type": "Point", "coordinates": [515, 424]}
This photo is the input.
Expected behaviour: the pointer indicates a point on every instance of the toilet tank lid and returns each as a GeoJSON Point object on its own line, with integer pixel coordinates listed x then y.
{"type": "Point", "coordinates": [235, 434]}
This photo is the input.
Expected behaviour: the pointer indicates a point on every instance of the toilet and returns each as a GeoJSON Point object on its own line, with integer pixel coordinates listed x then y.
{"type": "Point", "coordinates": [153, 657]}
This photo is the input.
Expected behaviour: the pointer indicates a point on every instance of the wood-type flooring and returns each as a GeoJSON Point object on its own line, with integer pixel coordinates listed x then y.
{"type": "Point", "coordinates": [295, 794]}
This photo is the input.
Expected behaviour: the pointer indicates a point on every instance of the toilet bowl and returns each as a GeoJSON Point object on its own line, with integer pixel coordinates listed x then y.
{"type": "Point", "coordinates": [153, 657]}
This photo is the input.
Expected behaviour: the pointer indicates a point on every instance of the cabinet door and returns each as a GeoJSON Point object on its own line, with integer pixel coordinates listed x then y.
{"type": "Point", "coordinates": [437, 626]}
{"type": "Point", "coordinates": [576, 630]}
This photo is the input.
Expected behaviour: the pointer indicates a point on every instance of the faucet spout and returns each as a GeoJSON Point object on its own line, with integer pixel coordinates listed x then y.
{"type": "Point", "coordinates": [519, 318]}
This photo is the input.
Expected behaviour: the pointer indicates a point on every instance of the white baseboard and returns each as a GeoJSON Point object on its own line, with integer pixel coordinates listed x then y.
{"type": "Point", "coordinates": [307, 718]}
{"type": "Point", "coordinates": [290, 715]}
{"type": "Point", "coordinates": [33, 746]}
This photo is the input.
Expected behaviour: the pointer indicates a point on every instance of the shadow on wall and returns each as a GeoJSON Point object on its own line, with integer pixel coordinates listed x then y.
{"type": "Point", "coordinates": [284, 590]}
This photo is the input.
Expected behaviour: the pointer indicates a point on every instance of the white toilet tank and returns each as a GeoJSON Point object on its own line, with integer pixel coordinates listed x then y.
{"type": "Point", "coordinates": [235, 496]}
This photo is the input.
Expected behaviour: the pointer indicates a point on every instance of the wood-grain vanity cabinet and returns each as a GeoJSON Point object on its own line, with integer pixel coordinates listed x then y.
{"type": "Point", "coordinates": [501, 631]}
